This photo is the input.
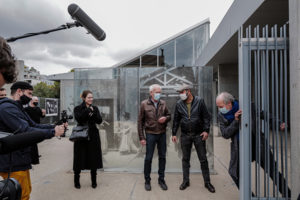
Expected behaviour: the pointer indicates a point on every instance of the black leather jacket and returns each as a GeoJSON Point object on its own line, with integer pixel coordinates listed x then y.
{"type": "Point", "coordinates": [198, 122]}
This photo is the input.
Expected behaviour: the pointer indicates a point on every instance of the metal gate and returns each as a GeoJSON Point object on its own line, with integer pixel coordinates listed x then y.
{"type": "Point", "coordinates": [264, 100]}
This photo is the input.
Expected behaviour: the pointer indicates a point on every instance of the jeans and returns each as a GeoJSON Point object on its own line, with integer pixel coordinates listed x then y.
{"type": "Point", "coordinates": [186, 146]}
{"type": "Point", "coordinates": [151, 140]}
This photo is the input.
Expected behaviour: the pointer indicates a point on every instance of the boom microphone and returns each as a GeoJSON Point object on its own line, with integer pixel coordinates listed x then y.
{"type": "Point", "coordinates": [80, 16]}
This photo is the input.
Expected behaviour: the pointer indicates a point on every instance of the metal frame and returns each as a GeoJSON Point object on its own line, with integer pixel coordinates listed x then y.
{"type": "Point", "coordinates": [263, 59]}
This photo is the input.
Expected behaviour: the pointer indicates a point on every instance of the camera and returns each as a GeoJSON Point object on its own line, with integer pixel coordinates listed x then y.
{"type": "Point", "coordinates": [64, 118]}
{"type": "Point", "coordinates": [10, 188]}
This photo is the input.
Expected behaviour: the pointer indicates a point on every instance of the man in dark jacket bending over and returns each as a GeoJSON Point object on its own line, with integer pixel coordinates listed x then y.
{"type": "Point", "coordinates": [229, 117]}
{"type": "Point", "coordinates": [192, 114]}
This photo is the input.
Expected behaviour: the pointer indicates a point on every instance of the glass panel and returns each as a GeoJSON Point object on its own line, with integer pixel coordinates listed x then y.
{"type": "Point", "coordinates": [201, 38]}
{"type": "Point", "coordinates": [166, 54]}
{"type": "Point", "coordinates": [150, 59]}
{"type": "Point", "coordinates": [134, 63]}
{"type": "Point", "coordinates": [184, 50]}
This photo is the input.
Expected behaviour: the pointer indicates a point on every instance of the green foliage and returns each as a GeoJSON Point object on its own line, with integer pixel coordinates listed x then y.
{"type": "Point", "coordinates": [48, 91]}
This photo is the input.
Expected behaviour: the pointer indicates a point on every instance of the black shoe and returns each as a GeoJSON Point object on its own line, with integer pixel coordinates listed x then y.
{"type": "Point", "coordinates": [147, 186]}
{"type": "Point", "coordinates": [210, 187]}
{"type": "Point", "coordinates": [94, 178]}
{"type": "Point", "coordinates": [184, 185]}
{"type": "Point", "coordinates": [76, 181]}
{"type": "Point", "coordinates": [163, 184]}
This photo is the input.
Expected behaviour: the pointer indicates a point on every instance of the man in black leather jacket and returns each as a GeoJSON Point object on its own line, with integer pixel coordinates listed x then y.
{"type": "Point", "coordinates": [191, 113]}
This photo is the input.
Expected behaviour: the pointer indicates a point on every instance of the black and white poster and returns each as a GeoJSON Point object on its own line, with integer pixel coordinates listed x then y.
{"type": "Point", "coordinates": [51, 107]}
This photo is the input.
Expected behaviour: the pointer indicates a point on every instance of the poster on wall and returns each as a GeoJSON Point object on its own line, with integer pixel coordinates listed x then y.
{"type": "Point", "coordinates": [51, 107]}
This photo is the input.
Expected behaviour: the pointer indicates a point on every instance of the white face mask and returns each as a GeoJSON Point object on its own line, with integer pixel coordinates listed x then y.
{"type": "Point", "coordinates": [183, 96]}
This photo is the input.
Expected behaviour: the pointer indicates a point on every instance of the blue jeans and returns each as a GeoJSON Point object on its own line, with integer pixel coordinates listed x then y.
{"type": "Point", "coordinates": [151, 140]}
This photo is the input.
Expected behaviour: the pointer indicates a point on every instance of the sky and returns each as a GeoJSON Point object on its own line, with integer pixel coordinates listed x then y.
{"type": "Point", "coordinates": [130, 26]}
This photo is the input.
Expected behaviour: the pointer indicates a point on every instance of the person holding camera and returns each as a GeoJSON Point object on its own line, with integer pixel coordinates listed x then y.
{"type": "Point", "coordinates": [14, 119]}
{"type": "Point", "coordinates": [87, 153]}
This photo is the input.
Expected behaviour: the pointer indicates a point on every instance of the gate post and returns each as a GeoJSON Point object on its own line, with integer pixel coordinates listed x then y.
{"type": "Point", "coordinates": [245, 129]}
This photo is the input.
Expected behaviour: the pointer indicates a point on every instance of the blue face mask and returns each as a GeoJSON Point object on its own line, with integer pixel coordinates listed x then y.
{"type": "Point", "coordinates": [223, 110]}
{"type": "Point", "coordinates": [157, 96]}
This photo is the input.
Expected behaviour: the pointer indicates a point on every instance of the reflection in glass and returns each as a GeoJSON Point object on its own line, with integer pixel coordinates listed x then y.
{"type": "Point", "coordinates": [166, 54]}
{"type": "Point", "coordinates": [200, 39]}
{"type": "Point", "coordinates": [150, 59]}
{"type": "Point", "coordinates": [184, 50]}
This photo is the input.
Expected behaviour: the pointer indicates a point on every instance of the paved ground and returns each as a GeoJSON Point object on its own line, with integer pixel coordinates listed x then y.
{"type": "Point", "coordinates": [53, 179]}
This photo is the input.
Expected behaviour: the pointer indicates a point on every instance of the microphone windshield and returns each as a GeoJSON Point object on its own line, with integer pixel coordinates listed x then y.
{"type": "Point", "coordinates": [80, 16]}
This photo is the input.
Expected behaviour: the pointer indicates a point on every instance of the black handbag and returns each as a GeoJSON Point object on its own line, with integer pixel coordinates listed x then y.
{"type": "Point", "coordinates": [79, 133]}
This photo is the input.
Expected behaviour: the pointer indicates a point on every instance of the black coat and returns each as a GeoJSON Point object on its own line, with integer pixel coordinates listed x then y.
{"type": "Point", "coordinates": [229, 131]}
{"type": "Point", "coordinates": [88, 154]}
{"type": "Point", "coordinates": [198, 122]}
{"type": "Point", "coordinates": [35, 113]}
{"type": "Point", "coordinates": [14, 119]}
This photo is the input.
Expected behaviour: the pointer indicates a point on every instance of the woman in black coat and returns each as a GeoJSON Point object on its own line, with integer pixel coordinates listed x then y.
{"type": "Point", "coordinates": [87, 154]}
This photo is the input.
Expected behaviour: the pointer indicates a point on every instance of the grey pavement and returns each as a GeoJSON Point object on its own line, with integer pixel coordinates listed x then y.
{"type": "Point", "coordinates": [53, 179]}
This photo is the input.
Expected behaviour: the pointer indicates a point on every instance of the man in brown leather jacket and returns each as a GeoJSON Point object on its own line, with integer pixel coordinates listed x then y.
{"type": "Point", "coordinates": [153, 118]}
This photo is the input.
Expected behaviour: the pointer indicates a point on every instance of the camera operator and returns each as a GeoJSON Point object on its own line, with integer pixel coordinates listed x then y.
{"type": "Point", "coordinates": [8, 74]}
{"type": "Point", "coordinates": [35, 113]}
{"type": "Point", "coordinates": [13, 119]}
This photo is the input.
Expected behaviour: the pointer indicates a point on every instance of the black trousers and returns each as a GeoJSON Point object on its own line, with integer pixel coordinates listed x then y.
{"type": "Point", "coordinates": [186, 146]}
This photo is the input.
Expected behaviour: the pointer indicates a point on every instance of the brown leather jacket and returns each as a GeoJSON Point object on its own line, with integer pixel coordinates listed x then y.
{"type": "Point", "coordinates": [149, 115]}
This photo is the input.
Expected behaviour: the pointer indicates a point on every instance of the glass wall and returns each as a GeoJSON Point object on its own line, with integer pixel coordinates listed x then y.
{"type": "Point", "coordinates": [119, 91]}
{"type": "Point", "coordinates": [118, 99]}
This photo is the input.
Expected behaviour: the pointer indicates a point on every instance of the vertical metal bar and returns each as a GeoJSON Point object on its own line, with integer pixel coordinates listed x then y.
{"type": "Point", "coordinates": [285, 107]}
{"type": "Point", "coordinates": [276, 109]}
{"type": "Point", "coordinates": [244, 96]}
{"type": "Point", "coordinates": [267, 136]}
{"type": "Point", "coordinates": [263, 92]}
{"type": "Point", "coordinates": [250, 95]}
{"type": "Point", "coordinates": [273, 110]}
{"type": "Point", "coordinates": [256, 110]}
{"type": "Point", "coordinates": [280, 110]}
{"type": "Point", "coordinates": [259, 109]}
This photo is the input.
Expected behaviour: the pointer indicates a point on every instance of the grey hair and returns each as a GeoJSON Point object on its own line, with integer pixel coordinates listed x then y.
{"type": "Point", "coordinates": [226, 97]}
{"type": "Point", "coordinates": [35, 97]}
{"type": "Point", "coordinates": [154, 86]}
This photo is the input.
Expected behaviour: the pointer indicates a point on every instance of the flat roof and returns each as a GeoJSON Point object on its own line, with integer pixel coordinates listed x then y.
{"type": "Point", "coordinates": [222, 48]}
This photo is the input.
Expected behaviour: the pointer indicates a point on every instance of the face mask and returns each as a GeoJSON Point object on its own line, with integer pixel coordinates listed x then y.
{"type": "Point", "coordinates": [24, 99]}
{"type": "Point", "coordinates": [157, 96]}
{"type": "Point", "coordinates": [35, 103]}
{"type": "Point", "coordinates": [183, 96]}
{"type": "Point", "coordinates": [223, 110]}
